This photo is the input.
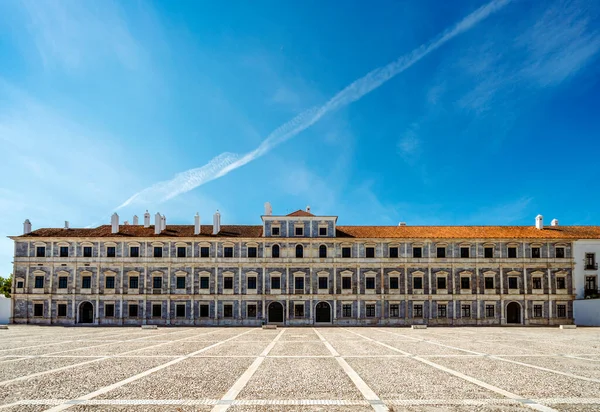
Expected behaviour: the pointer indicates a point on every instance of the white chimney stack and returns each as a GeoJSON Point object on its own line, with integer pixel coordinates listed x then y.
{"type": "Point", "coordinates": [66, 224]}
{"type": "Point", "coordinates": [197, 224]}
{"type": "Point", "coordinates": [26, 227]}
{"type": "Point", "coordinates": [554, 222]}
{"type": "Point", "coordinates": [146, 219]}
{"type": "Point", "coordinates": [163, 222]}
{"type": "Point", "coordinates": [216, 223]}
{"type": "Point", "coordinates": [539, 222]}
{"type": "Point", "coordinates": [114, 222]}
{"type": "Point", "coordinates": [157, 223]}
{"type": "Point", "coordinates": [136, 221]}
{"type": "Point", "coordinates": [402, 224]}
{"type": "Point", "coordinates": [126, 223]}
{"type": "Point", "coordinates": [308, 209]}
{"type": "Point", "coordinates": [268, 209]}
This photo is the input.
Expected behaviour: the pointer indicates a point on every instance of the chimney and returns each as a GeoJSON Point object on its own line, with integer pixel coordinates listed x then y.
{"type": "Point", "coordinates": [539, 222]}
{"type": "Point", "coordinates": [554, 222]}
{"type": "Point", "coordinates": [66, 224]}
{"type": "Point", "coordinates": [114, 222]}
{"type": "Point", "coordinates": [157, 223]}
{"type": "Point", "coordinates": [402, 224]}
{"type": "Point", "coordinates": [268, 209]}
{"type": "Point", "coordinates": [216, 223]}
{"type": "Point", "coordinates": [26, 227]}
{"type": "Point", "coordinates": [197, 224]}
{"type": "Point", "coordinates": [308, 209]}
{"type": "Point", "coordinates": [146, 219]}
{"type": "Point", "coordinates": [126, 223]}
{"type": "Point", "coordinates": [136, 221]}
{"type": "Point", "coordinates": [163, 222]}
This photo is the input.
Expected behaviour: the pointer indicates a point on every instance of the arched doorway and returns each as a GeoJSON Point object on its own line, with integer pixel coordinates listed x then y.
{"type": "Point", "coordinates": [513, 313]}
{"type": "Point", "coordinates": [275, 313]}
{"type": "Point", "coordinates": [86, 313]}
{"type": "Point", "coordinates": [323, 313]}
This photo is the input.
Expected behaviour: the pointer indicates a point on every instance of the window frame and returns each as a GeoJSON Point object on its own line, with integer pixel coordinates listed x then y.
{"type": "Point", "coordinates": [108, 305]}
{"type": "Point", "coordinates": [178, 306]}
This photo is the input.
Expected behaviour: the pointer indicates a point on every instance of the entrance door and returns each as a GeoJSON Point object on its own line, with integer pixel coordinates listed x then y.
{"type": "Point", "coordinates": [323, 313]}
{"type": "Point", "coordinates": [513, 313]}
{"type": "Point", "coordinates": [86, 313]}
{"type": "Point", "coordinates": [275, 313]}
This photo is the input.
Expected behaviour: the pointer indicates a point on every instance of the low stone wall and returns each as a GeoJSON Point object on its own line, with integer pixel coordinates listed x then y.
{"type": "Point", "coordinates": [587, 312]}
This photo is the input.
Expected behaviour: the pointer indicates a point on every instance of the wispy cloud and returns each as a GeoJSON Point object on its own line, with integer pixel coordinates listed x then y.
{"type": "Point", "coordinates": [409, 145]}
{"type": "Point", "coordinates": [227, 162]}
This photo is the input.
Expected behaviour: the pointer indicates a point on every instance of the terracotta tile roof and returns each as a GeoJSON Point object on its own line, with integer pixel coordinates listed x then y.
{"type": "Point", "coordinates": [300, 212]}
{"type": "Point", "coordinates": [141, 231]}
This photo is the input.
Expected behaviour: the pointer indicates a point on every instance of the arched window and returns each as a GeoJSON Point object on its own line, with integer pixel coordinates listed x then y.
{"type": "Point", "coordinates": [275, 251]}
{"type": "Point", "coordinates": [299, 251]}
{"type": "Point", "coordinates": [322, 251]}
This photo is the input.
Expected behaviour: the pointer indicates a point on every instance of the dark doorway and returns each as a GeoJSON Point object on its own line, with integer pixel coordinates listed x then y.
{"type": "Point", "coordinates": [513, 313]}
{"type": "Point", "coordinates": [86, 313]}
{"type": "Point", "coordinates": [275, 313]}
{"type": "Point", "coordinates": [323, 313]}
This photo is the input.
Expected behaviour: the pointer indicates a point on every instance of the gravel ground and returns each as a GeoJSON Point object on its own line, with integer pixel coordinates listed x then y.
{"type": "Point", "coordinates": [455, 408]}
{"type": "Point", "coordinates": [299, 349]}
{"type": "Point", "coordinates": [193, 378]}
{"type": "Point", "coordinates": [576, 408]}
{"type": "Point", "coordinates": [141, 408]}
{"type": "Point", "coordinates": [362, 347]}
{"type": "Point", "coordinates": [575, 366]}
{"type": "Point", "coordinates": [421, 348]}
{"type": "Point", "coordinates": [310, 378]}
{"type": "Point", "coordinates": [113, 348]}
{"type": "Point", "coordinates": [24, 367]}
{"type": "Point", "coordinates": [175, 348]}
{"type": "Point", "coordinates": [236, 349]}
{"type": "Point", "coordinates": [308, 408]}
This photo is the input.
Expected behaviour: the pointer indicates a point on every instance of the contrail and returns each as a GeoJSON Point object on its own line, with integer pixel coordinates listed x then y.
{"type": "Point", "coordinates": [226, 162]}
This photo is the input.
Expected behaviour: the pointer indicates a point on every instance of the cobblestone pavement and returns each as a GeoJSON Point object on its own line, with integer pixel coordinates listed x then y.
{"type": "Point", "coordinates": [299, 369]}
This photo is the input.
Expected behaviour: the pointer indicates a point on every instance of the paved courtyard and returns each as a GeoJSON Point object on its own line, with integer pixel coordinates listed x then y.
{"type": "Point", "coordinates": [299, 369]}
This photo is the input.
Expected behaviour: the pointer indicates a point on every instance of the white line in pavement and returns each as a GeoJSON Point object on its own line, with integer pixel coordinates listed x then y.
{"type": "Point", "coordinates": [243, 380]}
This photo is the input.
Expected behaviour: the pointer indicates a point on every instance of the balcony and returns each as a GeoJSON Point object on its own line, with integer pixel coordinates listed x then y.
{"type": "Point", "coordinates": [591, 266]}
{"type": "Point", "coordinates": [591, 294]}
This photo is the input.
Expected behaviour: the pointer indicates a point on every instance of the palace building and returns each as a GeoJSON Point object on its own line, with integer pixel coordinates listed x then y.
{"type": "Point", "coordinates": [297, 269]}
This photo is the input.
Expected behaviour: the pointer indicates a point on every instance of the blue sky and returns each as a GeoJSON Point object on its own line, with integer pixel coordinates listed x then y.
{"type": "Point", "coordinates": [480, 113]}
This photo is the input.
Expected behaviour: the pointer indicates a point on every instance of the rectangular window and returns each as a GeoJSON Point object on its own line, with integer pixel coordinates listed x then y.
{"type": "Point", "coordinates": [133, 311]}
{"type": "Point", "coordinates": [488, 252]}
{"type": "Point", "coordinates": [299, 231]}
{"type": "Point", "coordinates": [111, 251]}
{"type": "Point", "coordinates": [276, 282]}
{"type": "Point", "coordinates": [180, 310]}
{"type": "Point", "coordinates": [346, 282]}
{"type": "Point", "coordinates": [590, 261]}
{"type": "Point", "coordinates": [252, 252]}
{"type": "Point", "coordinates": [87, 251]}
{"type": "Point", "coordinates": [157, 282]}
{"type": "Point", "coordinates": [513, 282]}
{"type": "Point", "coordinates": [158, 251]}
{"type": "Point", "coordinates": [181, 282]}
{"type": "Point", "coordinates": [323, 282]}
{"type": "Point", "coordinates": [370, 312]}
{"type": "Point", "coordinates": [39, 282]}
{"type": "Point", "coordinates": [489, 311]}
{"type": "Point", "coordinates": [442, 311]}
{"type": "Point", "coordinates": [20, 284]}
{"type": "Point", "coordinates": [251, 282]}
{"type": "Point", "coordinates": [134, 251]}
{"type": "Point", "coordinates": [346, 252]}
{"type": "Point", "coordinates": [394, 310]}
{"type": "Point", "coordinates": [251, 309]}
{"type": "Point", "coordinates": [417, 252]}
{"type": "Point", "coordinates": [228, 282]}
{"type": "Point", "coordinates": [465, 311]}
{"type": "Point", "coordinates": [298, 311]}
{"type": "Point", "coordinates": [370, 252]}
{"type": "Point", "coordinates": [464, 252]}
{"type": "Point", "coordinates": [181, 251]}
{"type": "Point", "coordinates": [40, 251]}
{"type": "Point", "coordinates": [157, 310]}
{"type": "Point", "coordinates": [62, 310]}
{"type": "Point", "coordinates": [347, 310]}
{"type": "Point", "coordinates": [537, 283]}
{"type": "Point", "coordinates": [370, 283]}
{"type": "Point", "coordinates": [228, 252]}
{"type": "Point", "coordinates": [275, 231]}
{"type": "Point", "coordinates": [465, 282]}
{"type": "Point", "coordinates": [561, 311]}
{"type": "Point", "coordinates": [62, 282]}
{"type": "Point", "coordinates": [512, 252]}
{"type": "Point", "coordinates": [204, 251]}
{"type": "Point", "coordinates": [536, 252]}
{"type": "Point", "coordinates": [560, 252]}
{"type": "Point", "coordinates": [109, 310]}
{"type": "Point", "coordinates": [560, 283]}
{"type": "Point", "coordinates": [393, 283]}
{"type": "Point", "coordinates": [489, 282]}
{"type": "Point", "coordinates": [86, 282]}
{"type": "Point", "coordinates": [441, 252]}
{"type": "Point", "coordinates": [64, 251]}
{"type": "Point", "coordinates": [537, 311]}
{"type": "Point", "coordinates": [322, 231]}
{"type": "Point", "coordinates": [299, 283]}
{"type": "Point", "coordinates": [394, 252]}
{"type": "Point", "coordinates": [441, 282]}
{"type": "Point", "coordinates": [418, 283]}
{"type": "Point", "coordinates": [227, 311]}
{"type": "Point", "coordinates": [204, 282]}
{"type": "Point", "coordinates": [204, 312]}
{"type": "Point", "coordinates": [38, 309]}
{"type": "Point", "coordinates": [417, 311]}
{"type": "Point", "coordinates": [133, 282]}
{"type": "Point", "coordinates": [110, 282]}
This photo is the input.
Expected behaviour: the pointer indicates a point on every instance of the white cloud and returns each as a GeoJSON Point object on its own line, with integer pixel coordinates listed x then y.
{"type": "Point", "coordinates": [409, 145]}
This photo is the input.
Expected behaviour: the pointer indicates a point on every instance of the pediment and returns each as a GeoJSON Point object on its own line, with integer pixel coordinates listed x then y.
{"type": "Point", "coordinates": [394, 273]}
{"type": "Point", "coordinates": [489, 273]}
{"type": "Point", "coordinates": [441, 273]}
{"type": "Point", "coordinates": [417, 273]}
{"type": "Point", "coordinates": [514, 273]}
